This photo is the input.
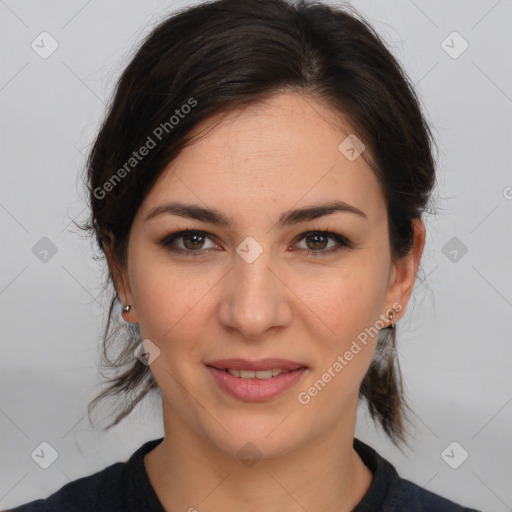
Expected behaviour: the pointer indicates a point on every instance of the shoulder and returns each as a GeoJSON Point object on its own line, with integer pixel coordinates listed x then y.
{"type": "Point", "coordinates": [123, 486]}
{"type": "Point", "coordinates": [389, 492]}
{"type": "Point", "coordinates": [86, 493]}
{"type": "Point", "coordinates": [407, 496]}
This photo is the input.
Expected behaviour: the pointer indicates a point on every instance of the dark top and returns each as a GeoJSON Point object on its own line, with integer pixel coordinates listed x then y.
{"type": "Point", "coordinates": [125, 487]}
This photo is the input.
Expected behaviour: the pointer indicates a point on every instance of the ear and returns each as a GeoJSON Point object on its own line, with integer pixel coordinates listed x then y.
{"type": "Point", "coordinates": [121, 281]}
{"type": "Point", "coordinates": [404, 270]}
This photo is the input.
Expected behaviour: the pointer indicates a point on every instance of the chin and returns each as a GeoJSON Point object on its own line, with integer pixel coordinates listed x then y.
{"type": "Point", "coordinates": [257, 435]}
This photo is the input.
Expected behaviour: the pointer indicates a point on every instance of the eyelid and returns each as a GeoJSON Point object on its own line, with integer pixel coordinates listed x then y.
{"type": "Point", "coordinates": [342, 241]}
{"type": "Point", "coordinates": [171, 237]}
{"type": "Point", "coordinates": [339, 239]}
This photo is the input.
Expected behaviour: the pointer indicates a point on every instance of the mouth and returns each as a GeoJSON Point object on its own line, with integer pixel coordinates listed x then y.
{"type": "Point", "coordinates": [256, 364]}
{"type": "Point", "coordinates": [252, 374]}
{"type": "Point", "coordinates": [255, 380]}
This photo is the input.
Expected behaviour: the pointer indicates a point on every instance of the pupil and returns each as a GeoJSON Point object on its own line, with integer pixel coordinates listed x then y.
{"type": "Point", "coordinates": [316, 237]}
{"type": "Point", "coordinates": [194, 243]}
{"type": "Point", "coordinates": [197, 240]}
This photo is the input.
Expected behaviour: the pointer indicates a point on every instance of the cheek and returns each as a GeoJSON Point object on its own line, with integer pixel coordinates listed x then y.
{"type": "Point", "coordinates": [168, 300]}
{"type": "Point", "coordinates": [344, 302]}
{"type": "Point", "coordinates": [345, 335]}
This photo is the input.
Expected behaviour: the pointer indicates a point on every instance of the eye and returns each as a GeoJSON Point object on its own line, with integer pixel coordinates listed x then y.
{"type": "Point", "coordinates": [190, 242]}
{"type": "Point", "coordinates": [317, 242]}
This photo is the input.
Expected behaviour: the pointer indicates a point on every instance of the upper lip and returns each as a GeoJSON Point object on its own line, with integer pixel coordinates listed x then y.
{"type": "Point", "coordinates": [255, 365]}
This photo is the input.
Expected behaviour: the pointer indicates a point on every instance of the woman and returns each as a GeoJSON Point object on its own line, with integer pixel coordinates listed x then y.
{"type": "Point", "coordinates": [257, 189]}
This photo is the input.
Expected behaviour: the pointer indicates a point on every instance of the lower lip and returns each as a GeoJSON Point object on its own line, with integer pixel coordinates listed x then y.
{"type": "Point", "coordinates": [255, 389]}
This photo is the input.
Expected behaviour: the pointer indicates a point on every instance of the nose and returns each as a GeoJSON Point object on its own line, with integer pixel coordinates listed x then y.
{"type": "Point", "coordinates": [255, 298]}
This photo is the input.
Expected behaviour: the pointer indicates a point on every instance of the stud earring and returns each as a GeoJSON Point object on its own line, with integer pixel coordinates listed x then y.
{"type": "Point", "coordinates": [391, 315]}
{"type": "Point", "coordinates": [126, 309]}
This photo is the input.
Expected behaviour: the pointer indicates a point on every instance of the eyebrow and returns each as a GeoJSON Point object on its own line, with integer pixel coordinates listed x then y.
{"type": "Point", "coordinates": [288, 218]}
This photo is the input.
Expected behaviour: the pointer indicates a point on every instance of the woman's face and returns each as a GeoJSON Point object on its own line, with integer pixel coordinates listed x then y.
{"type": "Point", "coordinates": [263, 284]}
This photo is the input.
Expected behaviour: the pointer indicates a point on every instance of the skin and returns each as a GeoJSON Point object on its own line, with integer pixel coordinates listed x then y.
{"type": "Point", "coordinates": [253, 165]}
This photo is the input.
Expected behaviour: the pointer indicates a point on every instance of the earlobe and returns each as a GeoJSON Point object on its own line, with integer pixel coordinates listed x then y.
{"type": "Point", "coordinates": [128, 315]}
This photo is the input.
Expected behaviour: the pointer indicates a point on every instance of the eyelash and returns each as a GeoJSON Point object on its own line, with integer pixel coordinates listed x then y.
{"type": "Point", "coordinates": [342, 242]}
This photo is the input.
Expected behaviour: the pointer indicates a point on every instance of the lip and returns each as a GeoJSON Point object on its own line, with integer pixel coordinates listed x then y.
{"type": "Point", "coordinates": [255, 365]}
{"type": "Point", "coordinates": [256, 390]}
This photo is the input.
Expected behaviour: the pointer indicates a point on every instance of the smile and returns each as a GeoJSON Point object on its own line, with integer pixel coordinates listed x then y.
{"type": "Point", "coordinates": [252, 385]}
{"type": "Point", "coordinates": [249, 374]}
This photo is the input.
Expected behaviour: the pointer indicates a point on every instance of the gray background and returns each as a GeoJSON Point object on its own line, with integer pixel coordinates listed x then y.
{"type": "Point", "coordinates": [454, 344]}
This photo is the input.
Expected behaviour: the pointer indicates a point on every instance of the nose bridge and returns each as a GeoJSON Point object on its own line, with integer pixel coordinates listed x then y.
{"type": "Point", "coordinates": [255, 300]}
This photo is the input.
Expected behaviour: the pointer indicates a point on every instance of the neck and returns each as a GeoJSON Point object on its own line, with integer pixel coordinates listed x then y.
{"type": "Point", "coordinates": [187, 472]}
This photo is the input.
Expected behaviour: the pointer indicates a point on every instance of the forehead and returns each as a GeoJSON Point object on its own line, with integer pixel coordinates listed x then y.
{"type": "Point", "coordinates": [275, 154]}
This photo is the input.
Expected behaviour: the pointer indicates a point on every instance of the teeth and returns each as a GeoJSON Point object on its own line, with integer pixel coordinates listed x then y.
{"type": "Point", "coordinates": [250, 374]}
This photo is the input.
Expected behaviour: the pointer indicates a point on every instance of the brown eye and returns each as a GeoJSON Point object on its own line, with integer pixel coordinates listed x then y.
{"type": "Point", "coordinates": [188, 242]}
{"type": "Point", "coordinates": [193, 241]}
{"type": "Point", "coordinates": [317, 241]}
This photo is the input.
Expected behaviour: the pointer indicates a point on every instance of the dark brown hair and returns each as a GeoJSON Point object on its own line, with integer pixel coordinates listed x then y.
{"type": "Point", "coordinates": [216, 57]}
